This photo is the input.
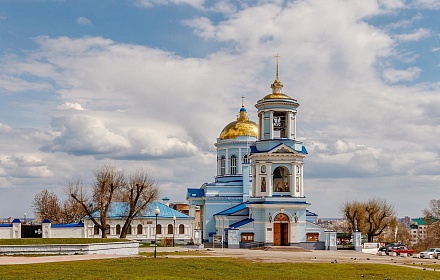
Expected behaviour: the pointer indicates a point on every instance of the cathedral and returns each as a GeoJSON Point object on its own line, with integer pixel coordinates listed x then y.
{"type": "Point", "coordinates": [258, 196]}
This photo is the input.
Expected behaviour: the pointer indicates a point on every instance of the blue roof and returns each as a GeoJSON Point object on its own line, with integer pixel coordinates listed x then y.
{"type": "Point", "coordinates": [241, 223]}
{"type": "Point", "coordinates": [119, 210]}
{"type": "Point", "coordinates": [5, 225]}
{"type": "Point", "coordinates": [277, 202]}
{"type": "Point", "coordinates": [311, 214]}
{"type": "Point", "coordinates": [232, 210]}
{"type": "Point", "coordinates": [66, 225]}
{"type": "Point", "coordinates": [254, 149]}
{"type": "Point", "coordinates": [195, 193]}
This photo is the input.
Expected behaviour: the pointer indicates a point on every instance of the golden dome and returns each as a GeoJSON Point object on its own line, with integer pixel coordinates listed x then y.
{"type": "Point", "coordinates": [276, 91]}
{"type": "Point", "coordinates": [241, 127]}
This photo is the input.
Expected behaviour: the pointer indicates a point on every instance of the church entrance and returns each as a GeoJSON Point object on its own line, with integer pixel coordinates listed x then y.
{"type": "Point", "coordinates": [281, 230]}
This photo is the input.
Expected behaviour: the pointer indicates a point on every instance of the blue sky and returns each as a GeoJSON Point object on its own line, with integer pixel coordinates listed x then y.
{"type": "Point", "coordinates": [150, 84]}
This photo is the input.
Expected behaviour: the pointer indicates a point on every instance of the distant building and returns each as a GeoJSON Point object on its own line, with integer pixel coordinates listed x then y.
{"type": "Point", "coordinates": [417, 229]}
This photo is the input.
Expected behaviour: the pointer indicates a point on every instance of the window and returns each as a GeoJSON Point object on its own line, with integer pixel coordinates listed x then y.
{"type": "Point", "coordinates": [181, 229]}
{"type": "Point", "coordinates": [312, 237]}
{"type": "Point", "coordinates": [246, 159]}
{"type": "Point", "coordinates": [118, 229]}
{"type": "Point", "coordinates": [96, 230]}
{"type": "Point", "coordinates": [129, 229]}
{"type": "Point", "coordinates": [158, 229]}
{"type": "Point", "coordinates": [170, 229]}
{"type": "Point", "coordinates": [107, 229]}
{"type": "Point", "coordinates": [222, 166]}
{"type": "Point", "coordinates": [247, 237]}
{"type": "Point", "coordinates": [139, 229]}
{"type": "Point", "coordinates": [233, 164]}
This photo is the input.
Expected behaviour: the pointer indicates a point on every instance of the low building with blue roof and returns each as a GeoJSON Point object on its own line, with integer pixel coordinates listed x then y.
{"type": "Point", "coordinates": [170, 223]}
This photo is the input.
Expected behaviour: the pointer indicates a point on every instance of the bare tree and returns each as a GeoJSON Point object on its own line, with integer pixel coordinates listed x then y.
{"type": "Point", "coordinates": [351, 212]}
{"type": "Point", "coordinates": [47, 206]}
{"type": "Point", "coordinates": [432, 219]}
{"type": "Point", "coordinates": [432, 213]}
{"type": "Point", "coordinates": [371, 217]}
{"type": "Point", "coordinates": [109, 180]}
{"type": "Point", "coordinates": [140, 191]}
{"type": "Point", "coordinates": [379, 214]}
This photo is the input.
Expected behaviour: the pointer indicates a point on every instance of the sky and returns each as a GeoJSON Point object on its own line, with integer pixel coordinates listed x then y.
{"type": "Point", "coordinates": [150, 84]}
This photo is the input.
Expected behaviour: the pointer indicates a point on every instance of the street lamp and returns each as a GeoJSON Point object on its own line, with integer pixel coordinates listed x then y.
{"type": "Point", "coordinates": [24, 218]}
{"type": "Point", "coordinates": [156, 212]}
{"type": "Point", "coordinates": [174, 227]}
{"type": "Point", "coordinates": [270, 218]}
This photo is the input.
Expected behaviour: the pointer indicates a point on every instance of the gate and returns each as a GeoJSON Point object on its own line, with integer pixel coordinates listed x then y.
{"type": "Point", "coordinates": [31, 231]}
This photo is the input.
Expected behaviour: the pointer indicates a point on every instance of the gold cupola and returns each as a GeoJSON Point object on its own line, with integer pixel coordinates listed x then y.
{"type": "Point", "coordinates": [241, 127]}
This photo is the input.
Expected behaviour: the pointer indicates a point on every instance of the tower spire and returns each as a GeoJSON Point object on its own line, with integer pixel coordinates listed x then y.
{"type": "Point", "coordinates": [277, 56]}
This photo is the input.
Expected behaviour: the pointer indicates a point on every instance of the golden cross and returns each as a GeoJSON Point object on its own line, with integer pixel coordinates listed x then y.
{"type": "Point", "coordinates": [277, 56]}
{"type": "Point", "coordinates": [242, 100]}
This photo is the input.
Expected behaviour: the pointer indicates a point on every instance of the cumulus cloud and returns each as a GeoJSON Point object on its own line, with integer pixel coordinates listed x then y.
{"type": "Point", "coordinates": [68, 106]}
{"type": "Point", "coordinates": [83, 21]}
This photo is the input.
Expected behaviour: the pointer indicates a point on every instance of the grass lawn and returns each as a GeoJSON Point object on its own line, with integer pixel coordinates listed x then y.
{"type": "Point", "coordinates": [34, 241]}
{"type": "Point", "coordinates": [207, 268]}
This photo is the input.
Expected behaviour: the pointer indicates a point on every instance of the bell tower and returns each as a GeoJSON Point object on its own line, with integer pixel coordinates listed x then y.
{"type": "Point", "coordinates": [277, 156]}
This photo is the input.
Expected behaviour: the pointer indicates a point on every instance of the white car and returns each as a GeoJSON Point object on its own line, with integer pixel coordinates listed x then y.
{"type": "Point", "coordinates": [434, 252]}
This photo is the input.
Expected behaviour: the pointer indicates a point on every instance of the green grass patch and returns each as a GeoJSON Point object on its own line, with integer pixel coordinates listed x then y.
{"type": "Point", "coordinates": [207, 268]}
{"type": "Point", "coordinates": [35, 241]}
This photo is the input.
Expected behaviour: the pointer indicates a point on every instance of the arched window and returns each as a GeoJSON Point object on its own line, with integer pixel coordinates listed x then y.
{"type": "Point", "coordinates": [129, 229]}
{"type": "Point", "coordinates": [281, 181]}
{"type": "Point", "coordinates": [158, 229]}
{"type": "Point", "coordinates": [96, 230]}
{"type": "Point", "coordinates": [233, 164]}
{"type": "Point", "coordinates": [139, 229]}
{"type": "Point", "coordinates": [222, 165]}
{"type": "Point", "coordinates": [246, 159]}
{"type": "Point", "coordinates": [107, 229]}
{"type": "Point", "coordinates": [181, 229]}
{"type": "Point", "coordinates": [118, 229]}
{"type": "Point", "coordinates": [170, 229]}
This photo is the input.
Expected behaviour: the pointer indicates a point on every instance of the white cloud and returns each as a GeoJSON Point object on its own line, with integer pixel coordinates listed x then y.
{"type": "Point", "coordinates": [68, 105]}
{"type": "Point", "coordinates": [13, 84]}
{"type": "Point", "coordinates": [426, 4]}
{"type": "Point", "coordinates": [152, 3]}
{"type": "Point", "coordinates": [414, 36]}
{"type": "Point", "coordinates": [394, 75]}
{"type": "Point", "coordinates": [83, 21]}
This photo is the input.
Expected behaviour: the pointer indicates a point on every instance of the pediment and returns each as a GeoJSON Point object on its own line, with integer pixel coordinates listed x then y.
{"type": "Point", "coordinates": [282, 149]}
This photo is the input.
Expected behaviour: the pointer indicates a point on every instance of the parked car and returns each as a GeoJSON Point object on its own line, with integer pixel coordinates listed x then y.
{"type": "Point", "coordinates": [387, 249]}
{"type": "Point", "coordinates": [402, 250]}
{"type": "Point", "coordinates": [430, 252]}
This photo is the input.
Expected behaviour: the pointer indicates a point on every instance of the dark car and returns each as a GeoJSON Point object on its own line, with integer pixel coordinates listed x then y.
{"type": "Point", "coordinates": [387, 249]}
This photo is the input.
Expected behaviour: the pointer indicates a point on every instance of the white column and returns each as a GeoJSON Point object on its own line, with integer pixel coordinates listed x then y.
{"type": "Point", "coordinates": [301, 180]}
{"type": "Point", "coordinates": [239, 162]}
{"type": "Point", "coordinates": [294, 126]}
{"type": "Point", "coordinates": [261, 132]}
{"type": "Point", "coordinates": [271, 125]}
{"type": "Point", "coordinates": [288, 125]}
